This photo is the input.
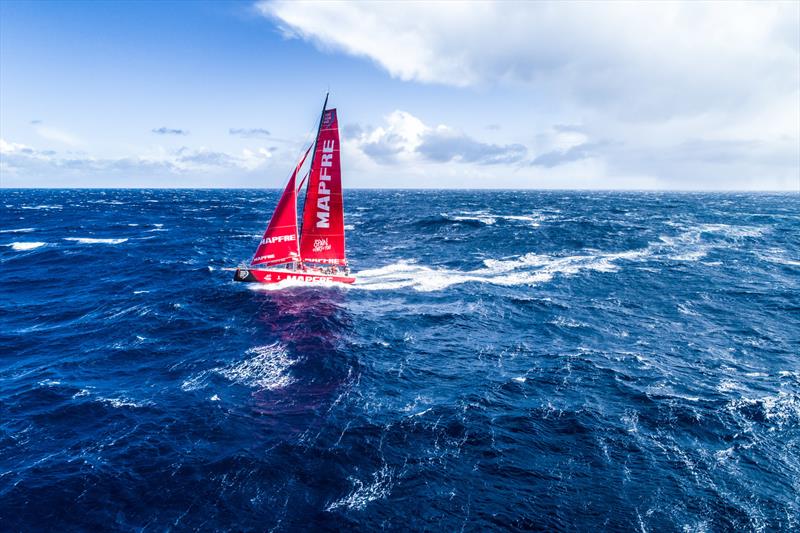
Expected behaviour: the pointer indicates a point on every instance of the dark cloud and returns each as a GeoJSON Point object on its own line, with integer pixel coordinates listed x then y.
{"type": "Point", "coordinates": [561, 157]}
{"type": "Point", "coordinates": [206, 157]}
{"type": "Point", "coordinates": [169, 131]}
{"type": "Point", "coordinates": [444, 147]}
{"type": "Point", "coordinates": [249, 132]}
{"type": "Point", "coordinates": [385, 149]}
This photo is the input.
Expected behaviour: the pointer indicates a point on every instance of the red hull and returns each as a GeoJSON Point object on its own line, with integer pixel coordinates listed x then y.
{"type": "Point", "coordinates": [276, 276]}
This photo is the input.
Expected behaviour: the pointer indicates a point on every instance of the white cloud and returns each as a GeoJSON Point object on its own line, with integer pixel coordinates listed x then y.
{"type": "Point", "coordinates": [24, 161]}
{"type": "Point", "coordinates": [687, 54]}
{"type": "Point", "coordinates": [676, 94]}
{"type": "Point", "coordinates": [405, 138]}
{"type": "Point", "coordinates": [49, 133]}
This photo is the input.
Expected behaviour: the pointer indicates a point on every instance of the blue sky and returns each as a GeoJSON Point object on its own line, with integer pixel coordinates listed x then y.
{"type": "Point", "coordinates": [479, 94]}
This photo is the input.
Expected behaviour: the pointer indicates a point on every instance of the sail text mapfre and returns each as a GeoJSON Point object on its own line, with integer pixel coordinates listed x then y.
{"type": "Point", "coordinates": [322, 238]}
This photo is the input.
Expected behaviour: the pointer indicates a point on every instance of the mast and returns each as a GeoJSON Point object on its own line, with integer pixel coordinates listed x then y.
{"type": "Point", "coordinates": [323, 239]}
{"type": "Point", "coordinates": [314, 151]}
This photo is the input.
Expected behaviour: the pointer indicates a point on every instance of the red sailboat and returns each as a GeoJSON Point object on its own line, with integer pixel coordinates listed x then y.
{"type": "Point", "coordinates": [316, 252]}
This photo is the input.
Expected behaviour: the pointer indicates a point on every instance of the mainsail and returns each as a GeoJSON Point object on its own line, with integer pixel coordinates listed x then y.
{"type": "Point", "coordinates": [322, 239]}
{"type": "Point", "coordinates": [279, 244]}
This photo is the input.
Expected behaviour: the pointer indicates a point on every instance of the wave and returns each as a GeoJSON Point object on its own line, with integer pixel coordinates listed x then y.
{"type": "Point", "coordinates": [19, 230]}
{"type": "Point", "coordinates": [41, 207]}
{"type": "Point", "coordinates": [25, 246]}
{"type": "Point", "coordinates": [89, 240]}
{"type": "Point", "coordinates": [480, 218]}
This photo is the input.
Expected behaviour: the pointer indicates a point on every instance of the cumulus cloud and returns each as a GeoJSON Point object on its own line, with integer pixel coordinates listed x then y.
{"type": "Point", "coordinates": [249, 133]}
{"type": "Point", "coordinates": [405, 137]}
{"type": "Point", "coordinates": [169, 131]}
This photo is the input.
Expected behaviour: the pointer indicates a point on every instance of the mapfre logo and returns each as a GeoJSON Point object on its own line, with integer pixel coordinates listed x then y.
{"type": "Point", "coordinates": [321, 245]}
{"type": "Point", "coordinates": [278, 238]}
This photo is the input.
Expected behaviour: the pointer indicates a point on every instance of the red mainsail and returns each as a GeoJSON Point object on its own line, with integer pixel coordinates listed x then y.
{"type": "Point", "coordinates": [279, 244]}
{"type": "Point", "coordinates": [322, 240]}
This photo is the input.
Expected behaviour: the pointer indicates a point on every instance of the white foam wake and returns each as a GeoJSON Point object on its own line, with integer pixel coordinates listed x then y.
{"type": "Point", "coordinates": [89, 240]}
{"type": "Point", "coordinates": [530, 269]}
{"type": "Point", "coordinates": [533, 269]}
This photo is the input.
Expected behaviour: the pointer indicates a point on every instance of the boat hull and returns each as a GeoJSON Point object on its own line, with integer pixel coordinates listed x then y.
{"type": "Point", "coordinates": [276, 276]}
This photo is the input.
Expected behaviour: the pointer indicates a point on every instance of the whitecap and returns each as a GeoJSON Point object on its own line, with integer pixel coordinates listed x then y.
{"type": "Point", "coordinates": [89, 240]}
{"type": "Point", "coordinates": [18, 230]}
{"type": "Point", "coordinates": [268, 368]}
{"type": "Point", "coordinates": [364, 493]}
{"type": "Point", "coordinates": [120, 402]}
{"type": "Point", "coordinates": [24, 246]}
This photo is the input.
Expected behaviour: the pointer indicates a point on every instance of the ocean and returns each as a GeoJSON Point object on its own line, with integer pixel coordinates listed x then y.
{"type": "Point", "coordinates": [507, 360]}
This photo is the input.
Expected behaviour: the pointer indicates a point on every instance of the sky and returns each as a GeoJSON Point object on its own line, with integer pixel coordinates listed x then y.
{"type": "Point", "coordinates": [538, 95]}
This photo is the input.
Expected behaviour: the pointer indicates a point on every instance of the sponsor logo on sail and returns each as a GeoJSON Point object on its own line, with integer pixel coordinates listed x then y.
{"type": "Point", "coordinates": [323, 190]}
{"type": "Point", "coordinates": [279, 238]}
{"type": "Point", "coordinates": [321, 245]}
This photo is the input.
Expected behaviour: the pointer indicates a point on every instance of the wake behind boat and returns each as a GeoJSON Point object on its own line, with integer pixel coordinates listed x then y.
{"type": "Point", "coordinates": [316, 252]}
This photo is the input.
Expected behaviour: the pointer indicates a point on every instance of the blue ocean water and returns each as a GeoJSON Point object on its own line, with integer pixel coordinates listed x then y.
{"type": "Point", "coordinates": [506, 361]}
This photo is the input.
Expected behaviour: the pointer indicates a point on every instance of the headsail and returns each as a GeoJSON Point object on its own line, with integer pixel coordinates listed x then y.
{"type": "Point", "coordinates": [279, 244]}
{"type": "Point", "coordinates": [322, 239]}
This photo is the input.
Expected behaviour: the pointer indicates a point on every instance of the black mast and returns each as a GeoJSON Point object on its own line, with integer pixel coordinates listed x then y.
{"type": "Point", "coordinates": [311, 168]}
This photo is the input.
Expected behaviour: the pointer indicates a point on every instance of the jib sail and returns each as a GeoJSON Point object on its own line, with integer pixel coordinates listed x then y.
{"type": "Point", "coordinates": [279, 243]}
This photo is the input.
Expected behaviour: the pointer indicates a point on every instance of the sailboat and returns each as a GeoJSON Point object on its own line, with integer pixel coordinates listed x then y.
{"type": "Point", "coordinates": [314, 253]}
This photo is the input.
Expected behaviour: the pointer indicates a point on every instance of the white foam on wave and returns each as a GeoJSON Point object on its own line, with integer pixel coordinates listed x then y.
{"type": "Point", "coordinates": [41, 207]}
{"type": "Point", "coordinates": [489, 219]}
{"type": "Point", "coordinates": [364, 493]}
{"type": "Point", "coordinates": [121, 402]}
{"type": "Point", "coordinates": [90, 240]}
{"type": "Point", "coordinates": [268, 368]}
{"type": "Point", "coordinates": [781, 409]}
{"type": "Point", "coordinates": [25, 246]}
{"type": "Point", "coordinates": [17, 230]}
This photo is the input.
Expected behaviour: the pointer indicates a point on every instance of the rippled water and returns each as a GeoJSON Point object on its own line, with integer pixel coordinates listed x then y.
{"type": "Point", "coordinates": [506, 360]}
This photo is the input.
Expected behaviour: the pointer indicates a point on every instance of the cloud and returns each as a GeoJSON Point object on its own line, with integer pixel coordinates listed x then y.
{"type": "Point", "coordinates": [574, 153]}
{"type": "Point", "coordinates": [249, 133]}
{"type": "Point", "coordinates": [52, 134]}
{"type": "Point", "coordinates": [169, 131]}
{"type": "Point", "coordinates": [405, 137]}
{"type": "Point", "coordinates": [650, 59]}
{"type": "Point", "coordinates": [21, 159]}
